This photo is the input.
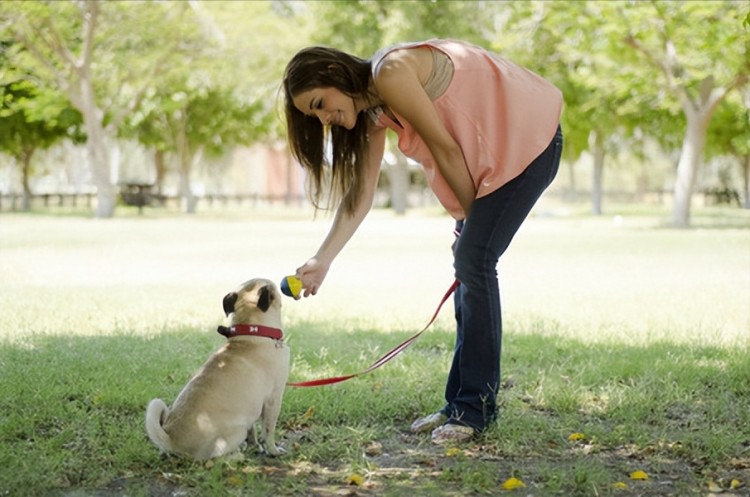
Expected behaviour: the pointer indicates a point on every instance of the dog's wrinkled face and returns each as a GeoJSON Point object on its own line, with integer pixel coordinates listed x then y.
{"type": "Point", "coordinates": [252, 299]}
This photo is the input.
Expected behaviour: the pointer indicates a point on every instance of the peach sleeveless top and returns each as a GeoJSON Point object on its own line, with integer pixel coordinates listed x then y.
{"type": "Point", "coordinates": [500, 114]}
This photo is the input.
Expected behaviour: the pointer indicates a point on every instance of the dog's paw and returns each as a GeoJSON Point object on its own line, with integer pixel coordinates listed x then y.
{"type": "Point", "coordinates": [275, 450]}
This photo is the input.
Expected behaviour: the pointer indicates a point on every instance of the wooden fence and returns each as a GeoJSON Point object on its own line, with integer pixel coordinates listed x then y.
{"type": "Point", "coordinates": [13, 202]}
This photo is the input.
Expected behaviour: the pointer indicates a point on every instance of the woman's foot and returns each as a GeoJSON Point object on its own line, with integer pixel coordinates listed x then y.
{"type": "Point", "coordinates": [451, 433]}
{"type": "Point", "coordinates": [428, 423]}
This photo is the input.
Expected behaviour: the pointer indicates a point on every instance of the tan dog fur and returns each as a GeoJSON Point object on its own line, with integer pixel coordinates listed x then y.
{"type": "Point", "coordinates": [241, 383]}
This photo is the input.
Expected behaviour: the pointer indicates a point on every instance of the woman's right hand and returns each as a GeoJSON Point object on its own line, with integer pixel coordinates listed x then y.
{"type": "Point", "coordinates": [312, 273]}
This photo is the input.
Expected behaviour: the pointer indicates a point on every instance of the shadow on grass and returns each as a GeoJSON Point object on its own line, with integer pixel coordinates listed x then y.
{"type": "Point", "coordinates": [73, 408]}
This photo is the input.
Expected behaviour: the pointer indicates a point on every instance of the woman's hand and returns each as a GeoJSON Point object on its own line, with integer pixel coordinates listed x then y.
{"type": "Point", "coordinates": [312, 273]}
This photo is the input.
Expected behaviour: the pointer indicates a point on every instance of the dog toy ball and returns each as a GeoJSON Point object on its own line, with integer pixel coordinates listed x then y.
{"type": "Point", "coordinates": [291, 286]}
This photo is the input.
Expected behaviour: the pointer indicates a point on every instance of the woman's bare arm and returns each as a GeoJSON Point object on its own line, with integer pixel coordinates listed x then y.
{"type": "Point", "coordinates": [314, 271]}
{"type": "Point", "coordinates": [397, 82]}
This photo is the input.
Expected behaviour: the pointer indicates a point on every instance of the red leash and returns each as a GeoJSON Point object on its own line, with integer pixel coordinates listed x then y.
{"type": "Point", "coordinates": [387, 357]}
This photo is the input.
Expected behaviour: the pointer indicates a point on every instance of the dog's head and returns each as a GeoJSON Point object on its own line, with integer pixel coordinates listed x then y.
{"type": "Point", "coordinates": [257, 301]}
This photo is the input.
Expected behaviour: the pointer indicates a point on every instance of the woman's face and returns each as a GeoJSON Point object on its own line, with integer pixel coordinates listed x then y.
{"type": "Point", "coordinates": [330, 105]}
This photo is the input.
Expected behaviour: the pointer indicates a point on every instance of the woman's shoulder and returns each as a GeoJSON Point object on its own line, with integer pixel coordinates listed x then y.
{"type": "Point", "coordinates": [397, 50]}
{"type": "Point", "coordinates": [404, 56]}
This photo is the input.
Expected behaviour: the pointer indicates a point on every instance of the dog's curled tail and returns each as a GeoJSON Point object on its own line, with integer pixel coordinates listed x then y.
{"type": "Point", "coordinates": [156, 412]}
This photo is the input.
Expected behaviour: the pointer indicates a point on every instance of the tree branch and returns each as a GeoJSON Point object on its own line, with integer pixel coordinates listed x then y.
{"type": "Point", "coordinates": [665, 68]}
{"type": "Point", "coordinates": [54, 41]}
{"type": "Point", "coordinates": [34, 50]}
{"type": "Point", "coordinates": [90, 18]}
{"type": "Point", "coordinates": [156, 69]}
{"type": "Point", "coordinates": [717, 95]}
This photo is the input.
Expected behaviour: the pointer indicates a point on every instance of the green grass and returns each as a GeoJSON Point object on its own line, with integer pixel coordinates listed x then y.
{"type": "Point", "coordinates": [633, 335]}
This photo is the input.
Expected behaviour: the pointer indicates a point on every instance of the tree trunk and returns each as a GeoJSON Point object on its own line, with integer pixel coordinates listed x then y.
{"type": "Point", "coordinates": [189, 200]}
{"type": "Point", "coordinates": [398, 174]}
{"type": "Point", "coordinates": [746, 182]}
{"type": "Point", "coordinates": [25, 177]}
{"type": "Point", "coordinates": [99, 162]}
{"type": "Point", "coordinates": [595, 141]}
{"type": "Point", "coordinates": [687, 168]}
{"type": "Point", "coordinates": [83, 97]}
{"type": "Point", "coordinates": [161, 169]}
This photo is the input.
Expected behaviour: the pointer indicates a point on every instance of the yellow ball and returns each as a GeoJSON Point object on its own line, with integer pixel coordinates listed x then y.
{"type": "Point", "coordinates": [291, 286]}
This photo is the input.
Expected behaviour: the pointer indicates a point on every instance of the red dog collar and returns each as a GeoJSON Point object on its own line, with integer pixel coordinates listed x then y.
{"type": "Point", "coordinates": [255, 330]}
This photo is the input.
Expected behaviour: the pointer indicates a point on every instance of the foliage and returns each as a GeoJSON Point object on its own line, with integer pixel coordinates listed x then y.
{"type": "Point", "coordinates": [363, 26]}
{"type": "Point", "coordinates": [32, 118]}
{"type": "Point", "coordinates": [729, 132]}
{"type": "Point", "coordinates": [147, 53]}
{"type": "Point", "coordinates": [31, 115]}
{"type": "Point", "coordinates": [211, 118]}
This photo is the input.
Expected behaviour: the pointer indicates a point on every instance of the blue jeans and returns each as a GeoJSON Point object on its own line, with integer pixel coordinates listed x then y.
{"type": "Point", "coordinates": [474, 376]}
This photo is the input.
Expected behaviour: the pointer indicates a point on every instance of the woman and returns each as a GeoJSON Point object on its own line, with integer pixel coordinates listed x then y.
{"type": "Point", "coordinates": [486, 132]}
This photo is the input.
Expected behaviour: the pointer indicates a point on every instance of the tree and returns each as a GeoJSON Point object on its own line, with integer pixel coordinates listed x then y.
{"type": "Point", "coordinates": [729, 134]}
{"type": "Point", "coordinates": [191, 121]}
{"type": "Point", "coordinates": [702, 56]}
{"type": "Point", "coordinates": [104, 56]}
{"type": "Point", "coordinates": [31, 119]}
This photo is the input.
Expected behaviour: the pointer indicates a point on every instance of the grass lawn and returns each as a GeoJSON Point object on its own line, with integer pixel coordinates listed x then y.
{"type": "Point", "coordinates": [626, 355]}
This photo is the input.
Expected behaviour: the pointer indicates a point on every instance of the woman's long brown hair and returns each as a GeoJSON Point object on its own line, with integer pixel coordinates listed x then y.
{"type": "Point", "coordinates": [321, 67]}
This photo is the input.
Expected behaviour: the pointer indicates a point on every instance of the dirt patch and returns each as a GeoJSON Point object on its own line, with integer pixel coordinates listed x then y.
{"type": "Point", "coordinates": [405, 464]}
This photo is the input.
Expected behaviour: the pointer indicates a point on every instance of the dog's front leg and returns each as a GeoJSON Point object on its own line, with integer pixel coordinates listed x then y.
{"type": "Point", "coordinates": [270, 415]}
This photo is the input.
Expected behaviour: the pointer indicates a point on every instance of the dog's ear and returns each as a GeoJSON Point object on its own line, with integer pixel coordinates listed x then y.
{"type": "Point", "coordinates": [265, 298]}
{"type": "Point", "coordinates": [229, 300]}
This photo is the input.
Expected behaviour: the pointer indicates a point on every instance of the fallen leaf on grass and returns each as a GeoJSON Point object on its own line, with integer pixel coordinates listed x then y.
{"type": "Point", "coordinates": [307, 415]}
{"type": "Point", "coordinates": [513, 483]}
{"type": "Point", "coordinates": [638, 475]}
{"type": "Point", "coordinates": [576, 437]}
{"type": "Point", "coordinates": [620, 485]}
{"type": "Point", "coordinates": [714, 487]}
{"type": "Point", "coordinates": [355, 479]}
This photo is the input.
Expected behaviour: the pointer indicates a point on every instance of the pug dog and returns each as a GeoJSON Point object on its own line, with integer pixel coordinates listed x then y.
{"type": "Point", "coordinates": [241, 383]}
